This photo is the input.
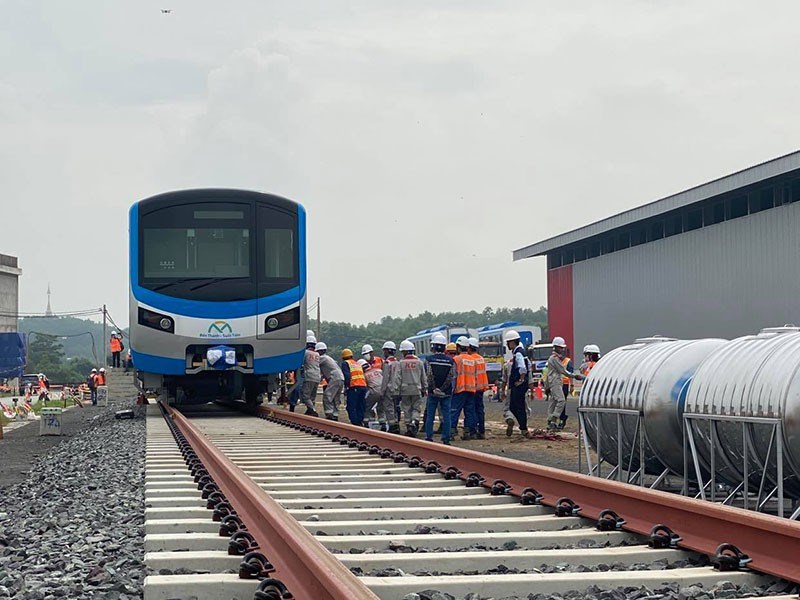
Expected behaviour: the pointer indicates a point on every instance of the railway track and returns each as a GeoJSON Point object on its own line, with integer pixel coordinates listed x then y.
{"type": "Point", "coordinates": [352, 513]}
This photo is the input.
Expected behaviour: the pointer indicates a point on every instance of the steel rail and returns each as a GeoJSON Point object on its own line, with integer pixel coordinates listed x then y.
{"type": "Point", "coordinates": [302, 564]}
{"type": "Point", "coordinates": [770, 542]}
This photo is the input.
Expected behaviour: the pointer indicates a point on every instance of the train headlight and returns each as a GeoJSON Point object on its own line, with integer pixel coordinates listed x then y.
{"type": "Point", "coordinates": [282, 320]}
{"type": "Point", "coordinates": [154, 320]}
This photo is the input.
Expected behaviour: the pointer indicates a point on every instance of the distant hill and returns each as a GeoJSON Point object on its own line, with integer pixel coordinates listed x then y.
{"type": "Point", "coordinates": [79, 346]}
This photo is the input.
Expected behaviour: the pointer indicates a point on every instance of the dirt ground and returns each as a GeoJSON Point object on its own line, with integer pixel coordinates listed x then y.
{"type": "Point", "coordinates": [559, 450]}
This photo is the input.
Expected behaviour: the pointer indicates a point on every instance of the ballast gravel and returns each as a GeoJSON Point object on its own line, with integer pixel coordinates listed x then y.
{"type": "Point", "coordinates": [74, 528]}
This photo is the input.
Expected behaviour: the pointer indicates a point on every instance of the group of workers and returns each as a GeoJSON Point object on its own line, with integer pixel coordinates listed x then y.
{"type": "Point", "coordinates": [96, 379]}
{"type": "Point", "coordinates": [453, 380]}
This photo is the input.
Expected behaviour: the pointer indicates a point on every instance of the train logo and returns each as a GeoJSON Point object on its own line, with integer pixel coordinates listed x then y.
{"type": "Point", "coordinates": [219, 329]}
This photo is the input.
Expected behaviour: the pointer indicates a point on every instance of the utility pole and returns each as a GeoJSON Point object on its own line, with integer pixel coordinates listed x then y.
{"type": "Point", "coordinates": [318, 321]}
{"type": "Point", "coordinates": [105, 337]}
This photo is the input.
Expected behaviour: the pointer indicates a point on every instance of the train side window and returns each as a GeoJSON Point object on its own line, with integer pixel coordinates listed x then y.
{"type": "Point", "coordinates": [738, 207]}
{"type": "Point", "coordinates": [657, 230]}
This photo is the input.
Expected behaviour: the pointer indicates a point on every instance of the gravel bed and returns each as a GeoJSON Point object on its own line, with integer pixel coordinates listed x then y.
{"type": "Point", "coordinates": [563, 567]}
{"type": "Point", "coordinates": [667, 591]}
{"type": "Point", "coordinates": [74, 528]}
{"type": "Point", "coordinates": [400, 548]}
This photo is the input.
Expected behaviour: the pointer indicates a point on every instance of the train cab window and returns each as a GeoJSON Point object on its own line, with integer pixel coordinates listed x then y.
{"type": "Point", "coordinates": [278, 251]}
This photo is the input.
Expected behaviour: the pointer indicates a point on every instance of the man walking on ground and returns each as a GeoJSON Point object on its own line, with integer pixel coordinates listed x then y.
{"type": "Point", "coordinates": [518, 375]}
{"type": "Point", "coordinates": [311, 376]}
{"type": "Point", "coordinates": [412, 383]}
{"type": "Point", "coordinates": [464, 392]}
{"type": "Point", "coordinates": [332, 373]}
{"type": "Point", "coordinates": [441, 374]}
{"type": "Point", "coordinates": [481, 385]}
{"type": "Point", "coordinates": [556, 370]}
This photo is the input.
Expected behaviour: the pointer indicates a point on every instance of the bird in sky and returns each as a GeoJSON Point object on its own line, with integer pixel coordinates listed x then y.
{"type": "Point", "coordinates": [166, 11]}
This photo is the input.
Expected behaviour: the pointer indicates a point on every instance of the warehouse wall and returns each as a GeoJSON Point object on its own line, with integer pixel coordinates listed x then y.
{"type": "Point", "coordinates": [725, 280]}
{"type": "Point", "coordinates": [9, 301]}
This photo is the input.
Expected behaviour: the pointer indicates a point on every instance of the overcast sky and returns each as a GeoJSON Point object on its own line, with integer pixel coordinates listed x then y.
{"type": "Point", "coordinates": [427, 139]}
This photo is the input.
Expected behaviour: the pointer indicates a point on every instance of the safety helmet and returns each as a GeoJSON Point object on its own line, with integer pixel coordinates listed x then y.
{"type": "Point", "coordinates": [591, 349]}
{"type": "Point", "coordinates": [451, 347]}
{"type": "Point", "coordinates": [474, 343]}
{"type": "Point", "coordinates": [94, 370]}
{"type": "Point", "coordinates": [510, 335]}
{"type": "Point", "coordinates": [310, 339]}
{"type": "Point", "coordinates": [321, 347]}
{"type": "Point", "coordinates": [390, 345]}
{"type": "Point", "coordinates": [438, 338]}
{"type": "Point", "coordinates": [559, 341]}
{"type": "Point", "coordinates": [113, 333]}
{"type": "Point", "coordinates": [462, 341]}
{"type": "Point", "coordinates": [406, 346]}
{"type": "Point", "coordinates": [347, 353]}
{"type": "Point", "coordinates": [363, 363]}
{"type": "Point", "coordinates": [40, 375]}
{"type": "Point", "coordinates": [102, 369]}
{"type": "Point", "coordinates": [366, 349]}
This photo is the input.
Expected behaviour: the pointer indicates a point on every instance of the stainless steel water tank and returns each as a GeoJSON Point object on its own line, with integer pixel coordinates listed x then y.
{"type": "Point", "coordinates": [648, 377]}
{"type": "Point", "coordinates": [748, 378]}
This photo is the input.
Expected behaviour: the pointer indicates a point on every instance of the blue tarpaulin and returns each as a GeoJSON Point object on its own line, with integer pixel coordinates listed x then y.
{"type": "Point", "coordinates": [12, 355]}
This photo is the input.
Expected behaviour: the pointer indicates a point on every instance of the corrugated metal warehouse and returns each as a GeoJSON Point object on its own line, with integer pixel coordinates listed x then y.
{"type": "Point", "coordinates": [718, 260]}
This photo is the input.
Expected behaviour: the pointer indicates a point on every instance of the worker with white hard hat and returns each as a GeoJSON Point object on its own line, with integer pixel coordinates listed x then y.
{"type": "Point", "coordinates": [557, 371]}
{"type": "Point", "coordinates": [332, 372]}
{"type": "Point", "coordinates": [518, 377]}
{"type": "Point", "coordinates": [481, 386]}
{"type": "Point", "coordinates": [390, 399]}
{"type": "Point", "coordinates": [116, 346]}
{"type": "Point", "coordinates": [91, 383]}
{"type": "Point", "coordinates": [311, 376]}
{"type": "Point", "coordinates": [464, 391]}
{"type": "Point", "coordinates": [374, 377]}
{"type": "Point", "coordinates": [441, 373]}
{"type": "Point", "coordinates": [591, 354]}
{"type": "Point", "coordinates": [411, 386]}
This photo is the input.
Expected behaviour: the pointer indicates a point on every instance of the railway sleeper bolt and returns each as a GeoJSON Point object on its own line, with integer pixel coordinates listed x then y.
{"type": "Point", "coordinates": [352, 444]}
{"type": "Point", "coordinates": [400, 457]}
{"type": "Point", "coordinates": [254, 565]}
{"type": "Point", "coordinates": [662, 536]}
{"type": "Point", "coordinates": [565, 507]}
{"type": "Point", "coordinates": [241, 543]}
{"type": "Point", "coordinates": [433, 467]}
{"type": "Point", "coordinates": [344, 440]}
{"type": "Point", "coordinates": [729, 558]}
{"type": "Point", "coordinates": [608, 520]}
{"type": "Point", "coordinates": [363, 447]}
{"type": "Point", "coordinates": [386, 453]}
{"type": "Point", "coordinates": [230, 525]}
{"type": "Point", "coordinates": [203, 481]}
{"type": "Point", "coordinates": [199, 474]}
{"type": "Point", "coordinates": [328, 435]}
{"type": "Point", "coordinates": [474, 480]}
{"type": "Point", "coordinates": [415, 462]}
{"type": "Point", "coordinates": [215, 498]}
{"type": "Point", "coordinates": [499, 488]}
{"type": "Point", "coordinates": [272, 589]}
{"type": "Point", "coordinates": [451, 473]}
{"type": "Point", "coordinates": [222, 509]}
{"type": "Point", "coordinates": [374, 449]}
{"type": "Point", "coordinates": [208, 489]}
{"type": "Point", "coordinates": [529, 497]}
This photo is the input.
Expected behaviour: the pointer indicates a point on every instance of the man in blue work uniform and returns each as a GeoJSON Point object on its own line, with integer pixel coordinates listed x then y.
{"type": "Point", "coordinates": [441, 373]}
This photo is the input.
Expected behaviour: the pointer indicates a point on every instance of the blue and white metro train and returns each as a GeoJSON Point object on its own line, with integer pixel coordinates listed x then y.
{"type": "Point", "coordinates": [217, 292]}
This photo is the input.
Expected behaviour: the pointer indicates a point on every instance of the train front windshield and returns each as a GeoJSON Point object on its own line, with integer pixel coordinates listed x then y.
{"type": "Point", "coordinates": [218, 251]}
